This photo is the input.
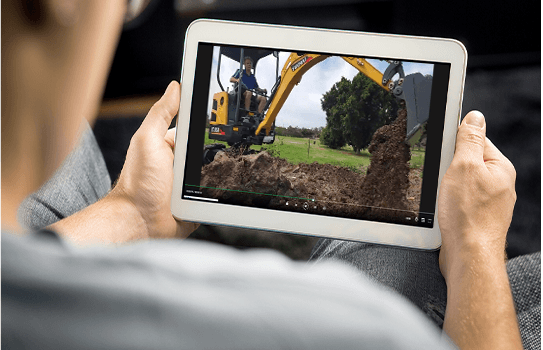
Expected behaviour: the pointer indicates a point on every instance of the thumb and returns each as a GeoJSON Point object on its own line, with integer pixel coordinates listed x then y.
{"type": "Point", "coordinates": [161, 114]}
{"type": "Point", "coordinates": [470, 139]}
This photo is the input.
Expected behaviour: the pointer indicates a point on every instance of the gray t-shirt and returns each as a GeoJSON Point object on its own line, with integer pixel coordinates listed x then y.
{"type": "Point", "coordinates": [172, 294]}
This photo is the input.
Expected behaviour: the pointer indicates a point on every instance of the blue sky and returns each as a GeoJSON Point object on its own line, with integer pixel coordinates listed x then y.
{"type": "Point", "coordinates": [302, 108]}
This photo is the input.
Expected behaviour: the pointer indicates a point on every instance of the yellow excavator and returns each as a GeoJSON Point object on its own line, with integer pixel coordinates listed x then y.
{"type": "Point", "coordinates": [231, 122]}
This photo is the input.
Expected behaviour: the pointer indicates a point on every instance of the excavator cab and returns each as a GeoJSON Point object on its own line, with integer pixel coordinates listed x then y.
{"type": "Point", "coordinates": [229, 120]}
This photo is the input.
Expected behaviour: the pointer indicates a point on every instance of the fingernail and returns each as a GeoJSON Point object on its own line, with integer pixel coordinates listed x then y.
{"type": "Point", "coordinates": [475, 118]}
{"type": "Point", "coordinates": [170, 86]}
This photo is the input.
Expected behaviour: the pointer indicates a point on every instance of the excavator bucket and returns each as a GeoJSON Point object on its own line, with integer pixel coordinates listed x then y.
{"type": "Point", "coordinates": [417, 90]}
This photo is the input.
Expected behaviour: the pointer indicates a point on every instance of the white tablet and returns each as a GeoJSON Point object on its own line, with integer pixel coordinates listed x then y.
{"type": "Point", "coordinates": [318, 132]}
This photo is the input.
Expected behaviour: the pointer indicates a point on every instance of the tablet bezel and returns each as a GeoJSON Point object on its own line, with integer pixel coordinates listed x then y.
{"type": "Point", "coordinates": [336, 42]}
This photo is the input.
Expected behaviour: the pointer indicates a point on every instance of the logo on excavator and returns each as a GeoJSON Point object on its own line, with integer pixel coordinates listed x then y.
{"type": "Point", "coordinates": [216, 130]}
{"type": "Point", "coordinates": [301, 62]}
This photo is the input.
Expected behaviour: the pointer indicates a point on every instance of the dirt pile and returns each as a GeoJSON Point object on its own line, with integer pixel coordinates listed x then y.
{"type": "Point", "coordinates": [387, 178]}
{"type": "Point", "coordinates": [279, 182]}
{"type": "Point", "coordinates": [244, 175]}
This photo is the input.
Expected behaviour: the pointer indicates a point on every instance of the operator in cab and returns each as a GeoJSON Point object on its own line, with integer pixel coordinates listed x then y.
{"type": "Point", "coordinates": [248, 83]}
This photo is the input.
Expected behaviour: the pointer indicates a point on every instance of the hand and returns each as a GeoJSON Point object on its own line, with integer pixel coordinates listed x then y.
{"type": "Point", "coordinates": [476, 198]}
{"type": "Point", "coordinates": [147, 176]}
{"type": "Point", "coordinates": [475, 205]}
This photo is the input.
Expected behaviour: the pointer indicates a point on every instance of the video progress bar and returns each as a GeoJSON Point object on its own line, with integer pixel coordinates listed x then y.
{"type": "Point", "coordinates": [202, 198]}
{"type": "Point", "coordinates": [257, 193]}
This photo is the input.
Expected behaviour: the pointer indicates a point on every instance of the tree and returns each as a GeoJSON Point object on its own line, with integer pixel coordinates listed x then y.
{"type": "Point", "coordinates": [354, 111]}
{"type": "Point", "coordinates": [332, 134]}
{"type": "Point", "coordinates": [332, 138]}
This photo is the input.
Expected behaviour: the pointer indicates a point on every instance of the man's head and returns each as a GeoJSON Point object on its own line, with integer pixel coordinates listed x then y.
{"type": "Point", "coordinates": [248, 62]}
{"type": "Point", "coordinates": [56, 56]}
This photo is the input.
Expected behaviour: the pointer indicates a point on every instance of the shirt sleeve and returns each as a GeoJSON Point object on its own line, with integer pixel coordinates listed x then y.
{"type": "Point", "coordinates": [236, 74]}
{"type": "Point", "coordinates": [185, 294]}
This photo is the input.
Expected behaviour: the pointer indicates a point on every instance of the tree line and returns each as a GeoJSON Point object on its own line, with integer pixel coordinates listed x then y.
{"type": "Point", "coordinates": [354, 111]}
{"type": "Point", "coordinates": [292, 131]}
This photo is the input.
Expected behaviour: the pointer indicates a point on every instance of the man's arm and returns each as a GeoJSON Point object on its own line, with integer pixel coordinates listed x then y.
{"type": "Point", "coordinates": [113, 219]}
{"type": "Point", "coordinates": [476, 202]}
{"type": "Point", "coordinates": [139, 205]}
{"type": "Point", "coordinates": [235, 78]}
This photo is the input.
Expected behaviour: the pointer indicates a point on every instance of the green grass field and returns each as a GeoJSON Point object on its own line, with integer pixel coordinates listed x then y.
{"type": "Point", "coordinates": [300, 150]}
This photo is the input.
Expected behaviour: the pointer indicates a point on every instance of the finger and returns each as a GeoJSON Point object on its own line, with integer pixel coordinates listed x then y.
{"type": "Point", "coordinates": [470, 139]}
{"type": "Point", "coordinates": [170, 137]}
{"type": "Point", "coordinates": [161, 114]}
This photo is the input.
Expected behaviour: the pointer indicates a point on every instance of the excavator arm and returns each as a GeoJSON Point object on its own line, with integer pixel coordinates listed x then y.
{"type": "Point", "coordinates": [370, 71]}
{"type": "Point", "coordinates": [296, 66]}
{"type": "Point", "coordinates": [291, 74]}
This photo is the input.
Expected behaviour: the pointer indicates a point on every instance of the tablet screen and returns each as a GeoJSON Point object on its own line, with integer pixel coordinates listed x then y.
{"type": "Point", "coordinates": [323, 134]}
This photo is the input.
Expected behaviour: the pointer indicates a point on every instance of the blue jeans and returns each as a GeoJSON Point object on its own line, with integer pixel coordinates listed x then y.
{"type": "Point", "coordinates": [415, 274]}
{"type": "Point", "coordinates": [412, 273]}
{"type": "Point", "coordinates": [83, 179]}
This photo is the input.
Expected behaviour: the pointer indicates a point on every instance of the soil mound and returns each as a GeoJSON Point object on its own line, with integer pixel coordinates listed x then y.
{"type": "Point", "coordinates": [304, 187]}
{"type": "Point", "coordinates": [387, 178]}
{"type": "Point", "coordinates": [245, 175]}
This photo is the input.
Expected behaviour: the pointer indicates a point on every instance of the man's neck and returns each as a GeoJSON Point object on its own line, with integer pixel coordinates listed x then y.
{"type": "Point", "coordinates": [247, 72]}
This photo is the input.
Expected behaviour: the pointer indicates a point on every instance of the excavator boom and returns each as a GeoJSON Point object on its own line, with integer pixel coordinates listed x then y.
{"type": "Point", "coordinates": [414, 89]}
{"type": "Point", "coordinates": [293, 70]}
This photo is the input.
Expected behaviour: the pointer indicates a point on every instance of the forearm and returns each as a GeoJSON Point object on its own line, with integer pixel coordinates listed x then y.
{"type": "Point", "coordinates": [480, 311]}
{"type": "Point", "coordinates": [113, 219]}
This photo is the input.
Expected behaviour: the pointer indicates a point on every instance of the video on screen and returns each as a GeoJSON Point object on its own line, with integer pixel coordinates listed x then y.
{"type": "Point", "coordinates": [320, 134]}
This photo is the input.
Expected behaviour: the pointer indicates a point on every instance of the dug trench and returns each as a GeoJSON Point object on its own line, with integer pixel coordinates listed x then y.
{"type": "Point", "coordinates": [262, 180]}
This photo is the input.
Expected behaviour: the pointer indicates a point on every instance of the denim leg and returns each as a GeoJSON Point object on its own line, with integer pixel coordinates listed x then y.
{"type": "Point", "coordinates": [416, 275]}
{"type": "Point", "coordinates": [525, 279]}
{"type": "Point", "coordinates": [81, 180]}
{"type": "Point", "coordinates": [412, 273]}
